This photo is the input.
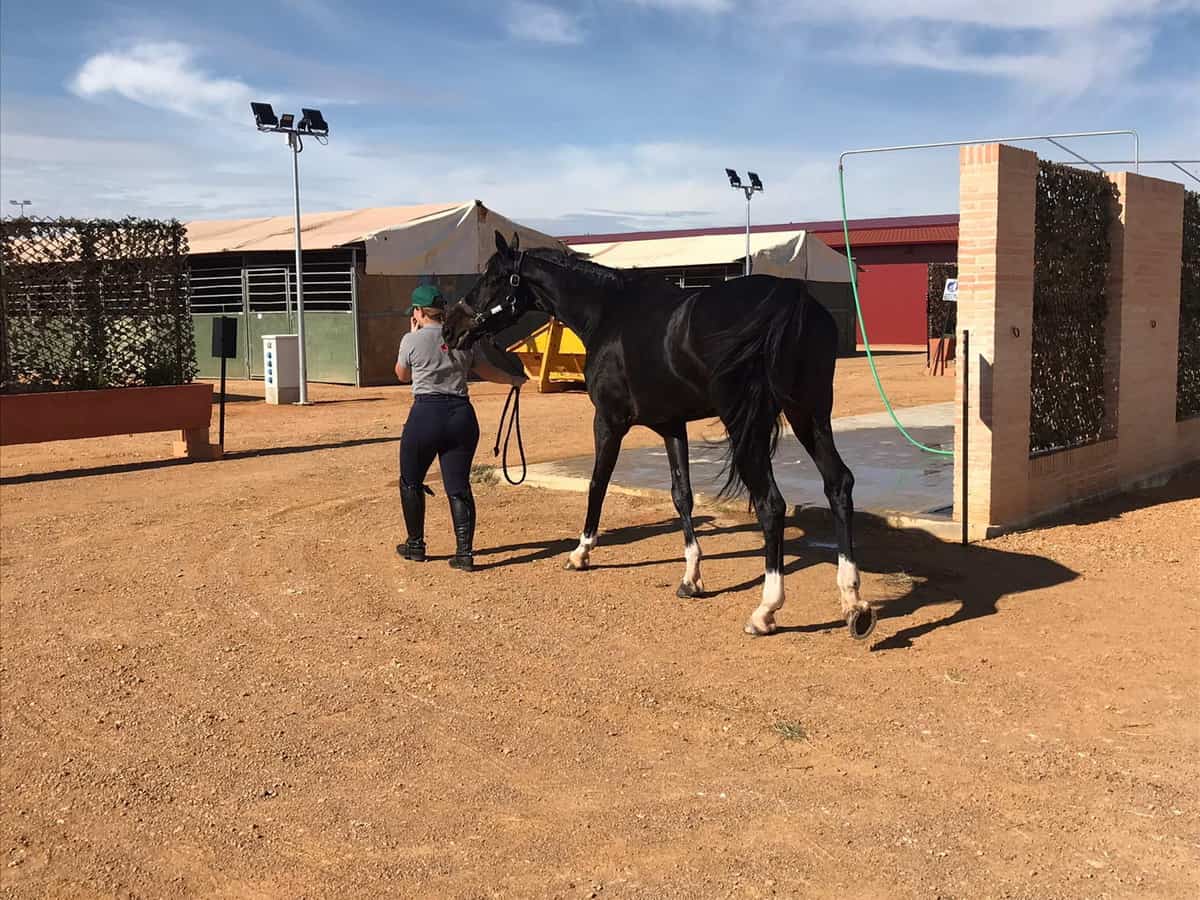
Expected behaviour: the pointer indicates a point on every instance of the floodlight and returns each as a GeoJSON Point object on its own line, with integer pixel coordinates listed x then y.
{"type": "Point", "coordinates": [755, 181]}
{"type": "Point", "coordinates": [734, 179]}
{"type": "Point", "coordinates": [264, 116]}
{"type": "Point", "coordinates": [286, 120]}
{"type": "Point", "coordinates": [313, 122]}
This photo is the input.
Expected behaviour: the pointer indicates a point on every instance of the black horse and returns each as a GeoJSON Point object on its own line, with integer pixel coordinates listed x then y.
{"type": "Point", "coordinates": [747, 351]}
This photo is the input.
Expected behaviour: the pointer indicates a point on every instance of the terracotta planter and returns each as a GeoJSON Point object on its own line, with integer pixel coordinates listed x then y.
{"type": "Point", "coordinates": [68, 415]}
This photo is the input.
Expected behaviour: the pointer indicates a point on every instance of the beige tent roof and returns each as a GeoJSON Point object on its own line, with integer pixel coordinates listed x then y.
{"type": "Point", "coordinates": [433, 239]}
{"type": "Point", "coordinates": [318, 231]}
{"type": "Point", "coordinates": [790, 254]}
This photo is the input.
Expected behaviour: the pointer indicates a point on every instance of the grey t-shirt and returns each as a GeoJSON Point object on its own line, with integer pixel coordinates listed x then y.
{"type": "Point", "coordinates": [434, 370]}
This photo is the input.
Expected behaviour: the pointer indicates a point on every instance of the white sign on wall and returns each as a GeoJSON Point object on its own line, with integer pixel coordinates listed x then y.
{"type": "Point", "coordinates": [950, 294]}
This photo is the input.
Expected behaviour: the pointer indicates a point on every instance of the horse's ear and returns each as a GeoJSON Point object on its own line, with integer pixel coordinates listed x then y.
{"type": "Point", "coordinates": [516, 243]}
{"type": "Point", "coordinates": [501, 246]}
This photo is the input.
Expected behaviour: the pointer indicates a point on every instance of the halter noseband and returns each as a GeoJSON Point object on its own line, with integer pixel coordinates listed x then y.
{"type": "Point", "coordinates": [508, 305]}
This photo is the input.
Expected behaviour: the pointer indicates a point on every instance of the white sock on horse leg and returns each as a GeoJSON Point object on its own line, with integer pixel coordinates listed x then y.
{"type": "Point", "coordinates": [762, 620]}
{"type": "Point", "coordinates": [848, 582]}
{"type": "Point", "coordinates": [691, 572]}
{"type": "Point", "coordinates": [579, 556]}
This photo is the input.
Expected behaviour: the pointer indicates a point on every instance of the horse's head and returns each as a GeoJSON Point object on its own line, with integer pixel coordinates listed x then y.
{"type": "Point", "coordinates": [497, 299]}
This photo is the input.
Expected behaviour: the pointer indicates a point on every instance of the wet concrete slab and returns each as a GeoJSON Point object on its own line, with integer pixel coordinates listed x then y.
{"type": "Point", "coordinates": [891, 476]}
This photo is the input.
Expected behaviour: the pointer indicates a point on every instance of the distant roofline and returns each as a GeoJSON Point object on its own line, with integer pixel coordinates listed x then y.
{"type": "Point", "coordinates": [821, 227]}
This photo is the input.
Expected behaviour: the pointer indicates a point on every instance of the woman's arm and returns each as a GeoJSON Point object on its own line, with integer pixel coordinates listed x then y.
{"type": "Point", "coordinates": [486, 370]}
{"type": "Point", "coordinates": [403, 373]}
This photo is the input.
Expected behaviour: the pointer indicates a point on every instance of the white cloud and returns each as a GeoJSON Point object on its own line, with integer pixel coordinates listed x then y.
{"type": "Point", "coordinates": [542, 24]}
{"type": "Point", "coordinates": [1058, 65]}
{"type": "Point", "coordinates": [162, 76]}
{"type": "Point", "coordinates": [702, 6]}
{"type": "Point", "coordinates": [1067, 46]}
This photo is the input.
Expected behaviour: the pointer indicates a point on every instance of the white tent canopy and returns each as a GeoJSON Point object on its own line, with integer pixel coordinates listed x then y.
{"type": "Point", "coordinates": [787, 254]}
{"type": "Point", "coordinates": [434, 239]}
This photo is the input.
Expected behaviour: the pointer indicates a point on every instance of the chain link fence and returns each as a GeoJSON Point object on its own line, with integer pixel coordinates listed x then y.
{"type": "Point", "coordinates": [93, 303]}
{"type": "Point", "coordinates": [1071, 390]}
{"type": "Point", "coordinates": [1187, 397]}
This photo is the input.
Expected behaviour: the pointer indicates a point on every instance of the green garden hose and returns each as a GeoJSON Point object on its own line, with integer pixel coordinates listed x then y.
{"type": "Point", "coordinates": [863, 327]}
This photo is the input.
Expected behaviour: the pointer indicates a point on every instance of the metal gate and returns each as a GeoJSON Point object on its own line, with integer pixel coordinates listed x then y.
{"type": "Point", "coordinates": [262, 294]}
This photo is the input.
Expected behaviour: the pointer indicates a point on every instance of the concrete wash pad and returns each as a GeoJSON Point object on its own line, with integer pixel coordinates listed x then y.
{"type": "Point", "coordinates": [892, 478]}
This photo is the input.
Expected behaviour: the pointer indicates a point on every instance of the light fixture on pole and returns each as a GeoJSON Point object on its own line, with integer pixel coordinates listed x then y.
{"type": "Point", "coordinates": [749, 190]}
{"type": "Point", "coordinates": [22, 204]}
{"type": "Point", "coordinates": [311, 123]}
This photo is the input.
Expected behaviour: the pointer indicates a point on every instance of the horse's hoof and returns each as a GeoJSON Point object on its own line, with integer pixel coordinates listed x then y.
{"type": "Point", "coordinates": [688, 591]}
{"type": "Point", "coordinates": [572, 566]}
{"type": "Point", "coordinates": [861, 622]}
{"type": "Point", "coordinates": [758, 631]}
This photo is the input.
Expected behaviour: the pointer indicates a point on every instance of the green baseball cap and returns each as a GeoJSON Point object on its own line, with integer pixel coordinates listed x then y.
{"type": "Point", "coordinates": [425, 296]}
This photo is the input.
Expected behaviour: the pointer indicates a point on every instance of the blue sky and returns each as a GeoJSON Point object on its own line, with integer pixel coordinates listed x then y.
{"type": "Point", "coordinates": [573, 115]}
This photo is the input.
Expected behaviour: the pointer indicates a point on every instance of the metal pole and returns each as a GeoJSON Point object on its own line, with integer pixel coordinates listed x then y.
{"type": "Point", "coordinates": [964, 360]}
{"type": "Point", "coordinates": [749, 194]}
{"type": "Point", "coordinates": [294, 144]}
{"type": "Point", "coordinates": [221, 438]}
{"type": "Point", "coordinates": [1137, 154]}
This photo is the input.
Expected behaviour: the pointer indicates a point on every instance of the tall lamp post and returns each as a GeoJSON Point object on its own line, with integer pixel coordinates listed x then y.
{"type": "Point", "coordinates": [22, 204]}
{"type": "Point", "coordinates": [749, 190]}
{"type": "Point", "coordinates": [311, 123]}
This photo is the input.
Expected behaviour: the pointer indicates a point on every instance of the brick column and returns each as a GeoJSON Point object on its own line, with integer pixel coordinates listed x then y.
{"type": "Point", "coordinates": [997, 202]}
{"type": "Point", "coordinates": [1144, 296]}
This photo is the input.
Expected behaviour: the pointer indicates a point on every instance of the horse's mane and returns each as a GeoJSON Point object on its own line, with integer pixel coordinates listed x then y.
{"type": "Point", "coordinates": [600, 274]}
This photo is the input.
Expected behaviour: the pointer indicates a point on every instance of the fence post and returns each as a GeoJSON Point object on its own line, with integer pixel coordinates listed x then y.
{"type": "Point", "coordinates": [998, 190]}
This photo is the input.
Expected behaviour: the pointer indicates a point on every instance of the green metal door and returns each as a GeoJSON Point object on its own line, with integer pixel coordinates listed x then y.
{"type": "Point", "coordinates": [263, 297]}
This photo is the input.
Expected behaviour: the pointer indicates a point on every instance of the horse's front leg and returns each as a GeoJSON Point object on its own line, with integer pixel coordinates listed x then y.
{"type": "Point", "coordinates": [675, 437]}
{"type": "Point", "coordinates": [608, 448]}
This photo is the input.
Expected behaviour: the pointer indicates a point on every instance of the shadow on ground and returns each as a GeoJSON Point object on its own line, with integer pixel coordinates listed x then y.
{"type": "Point", "coordinates": [970, 580]}
{"type": "Point", "coordinates": [151, 464]}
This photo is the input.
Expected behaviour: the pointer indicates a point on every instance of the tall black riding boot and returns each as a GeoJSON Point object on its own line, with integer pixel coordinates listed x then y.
{"type": "Point", "coordinates": [462, 512]}
{"type": "Point", "coordinates": [412, 500]}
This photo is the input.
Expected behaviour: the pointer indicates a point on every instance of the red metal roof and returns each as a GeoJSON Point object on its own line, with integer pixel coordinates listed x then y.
{"type": "Point", "coordinates": [863, 232]}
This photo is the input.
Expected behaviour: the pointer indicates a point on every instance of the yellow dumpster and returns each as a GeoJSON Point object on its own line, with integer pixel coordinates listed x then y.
{"type": "Point", "coordinates": [553, 357]}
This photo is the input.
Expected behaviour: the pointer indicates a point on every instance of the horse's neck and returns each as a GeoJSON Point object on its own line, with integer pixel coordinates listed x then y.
{"type": "Point", "coordinates": [578, 301]}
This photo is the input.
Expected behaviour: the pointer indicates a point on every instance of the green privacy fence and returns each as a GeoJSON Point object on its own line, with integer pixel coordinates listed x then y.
{"type": "Point", "coordinates": [93, 303]}
{"type": "Point", "coordinates": [1187, 398]}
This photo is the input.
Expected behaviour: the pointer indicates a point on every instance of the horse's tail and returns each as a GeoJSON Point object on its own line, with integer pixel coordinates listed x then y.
{"type": "Point", "coordinates": [753, 381]}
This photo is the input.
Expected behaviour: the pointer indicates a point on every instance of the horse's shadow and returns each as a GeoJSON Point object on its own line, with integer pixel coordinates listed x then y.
{"type": "Point", "coordinates": [931, 573]}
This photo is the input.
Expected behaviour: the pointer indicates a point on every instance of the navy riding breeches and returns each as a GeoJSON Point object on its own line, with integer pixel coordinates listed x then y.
{"type": "Point", "coordinates": [441, 425]}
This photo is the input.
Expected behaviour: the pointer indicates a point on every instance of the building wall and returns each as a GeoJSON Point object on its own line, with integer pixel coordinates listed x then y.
{"type": "Point", "coordinates": [892, 287]}
{"type": "Point", "coordinates": [383, 302]}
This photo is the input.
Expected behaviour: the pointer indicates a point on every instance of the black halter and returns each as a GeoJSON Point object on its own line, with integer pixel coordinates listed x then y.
{"type": "Point", "coordinates": [508, 304]}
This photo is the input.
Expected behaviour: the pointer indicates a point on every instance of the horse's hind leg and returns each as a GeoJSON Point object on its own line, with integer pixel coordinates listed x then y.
{"type": "Point", "coordinates": [675, 438]}
{"type": "Point", "coordinates": [816, 434]}
{"type": "Point", "coordinates": [770, 506]}
{"type": "Point", "coordinates": [608, 448]}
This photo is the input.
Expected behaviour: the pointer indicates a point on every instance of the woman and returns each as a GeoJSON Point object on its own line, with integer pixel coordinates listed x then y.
{"type": "Point", "coordinates": [442, 423]}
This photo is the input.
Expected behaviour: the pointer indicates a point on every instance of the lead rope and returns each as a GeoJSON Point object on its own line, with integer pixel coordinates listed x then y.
{"type": "Point", "coordinates": [514, 397]}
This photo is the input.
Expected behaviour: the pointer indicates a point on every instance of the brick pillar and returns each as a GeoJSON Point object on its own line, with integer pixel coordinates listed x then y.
{"type": "Point", "coordinates": [997, 202]}
{"type": "Point", "coordinates": [1144, 298]}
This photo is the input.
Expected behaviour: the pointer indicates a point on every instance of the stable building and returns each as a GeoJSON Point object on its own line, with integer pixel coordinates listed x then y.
{"type": "Point", "coordinates": [892, 256]}
{"type": "Point", "coordinates": [360, 268]}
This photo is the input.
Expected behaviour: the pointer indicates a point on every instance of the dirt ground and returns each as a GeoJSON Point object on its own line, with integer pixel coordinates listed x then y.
{"type": "Point", "coordinates": [218, 680]}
